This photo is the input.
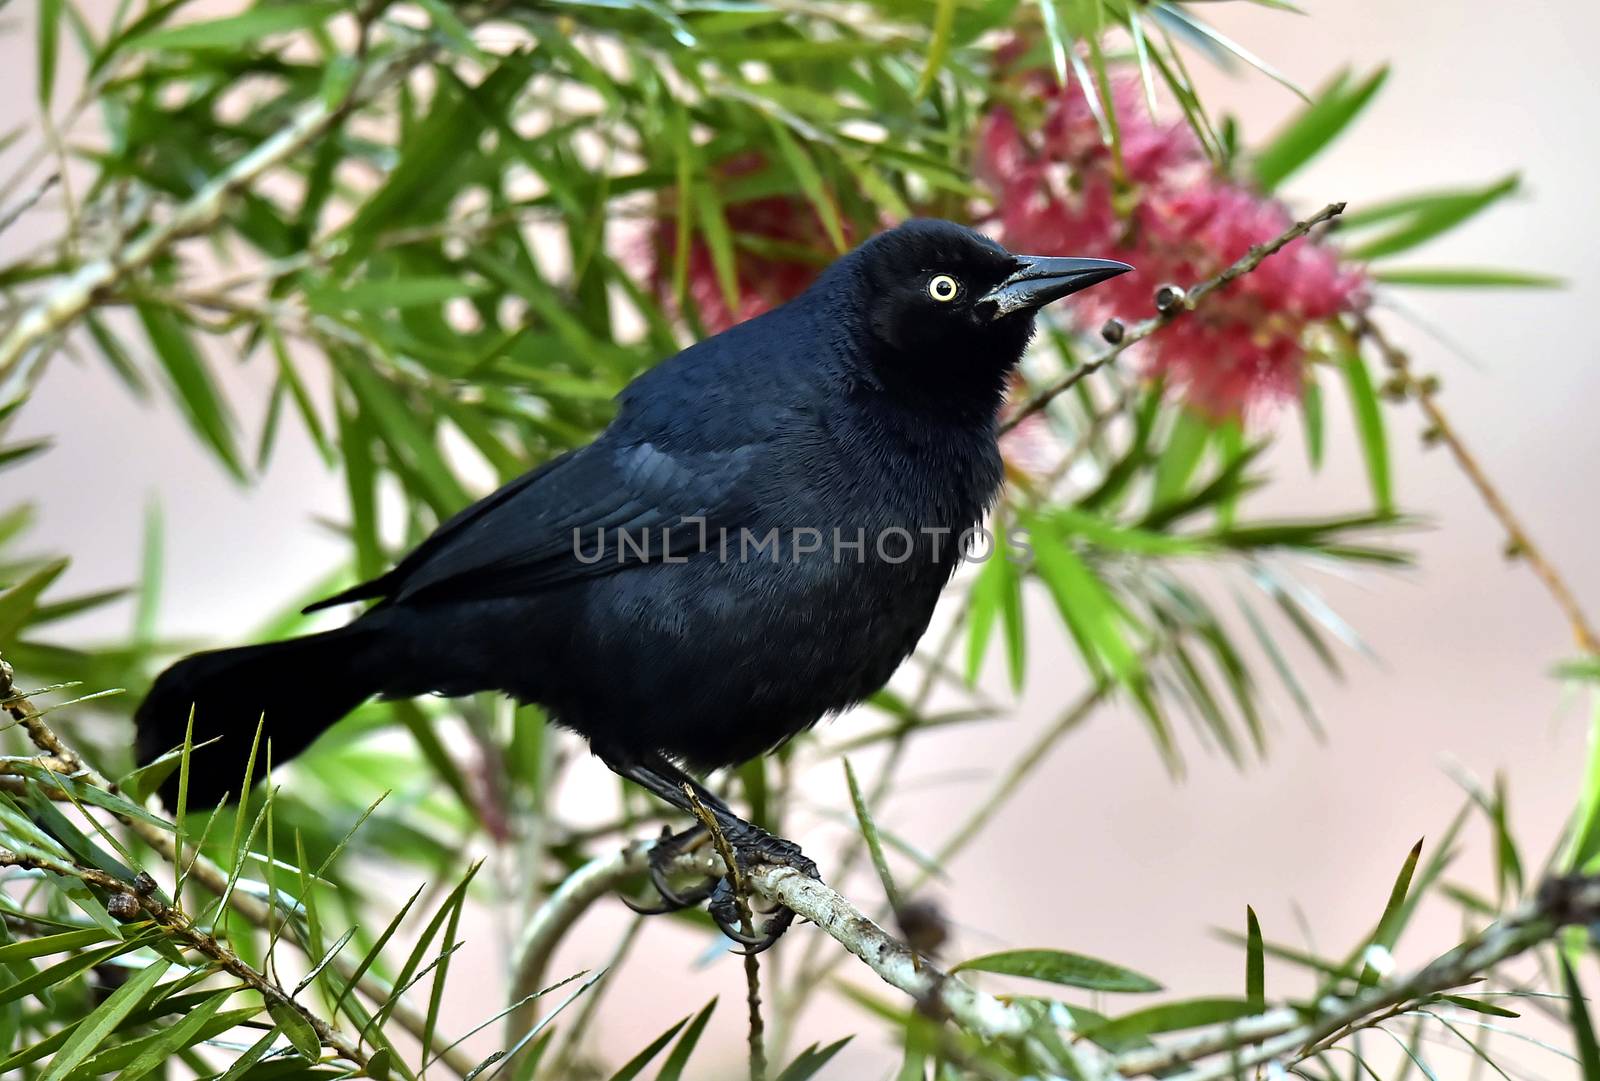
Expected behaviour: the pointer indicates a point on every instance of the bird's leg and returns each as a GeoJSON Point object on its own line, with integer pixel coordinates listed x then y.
{"type": "Point", "coordinates": [751, 846]}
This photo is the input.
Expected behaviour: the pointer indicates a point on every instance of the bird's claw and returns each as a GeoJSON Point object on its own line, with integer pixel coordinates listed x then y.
{"type": "Point", "coordinates": [662, 855]}
{"type": "Point", "coordinates": [753, 846]}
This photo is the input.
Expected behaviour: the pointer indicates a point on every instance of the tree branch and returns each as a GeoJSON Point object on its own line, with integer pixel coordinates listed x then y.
{"type": "Point", "coordinates": [1559, 903]}
{"type": "Point", "coordinates": [210, 876]}
{"type": "Point", "coordinates": [73, 296]}
{"type": "Point", "coordinates": [1189, 301]}
{"type": "Point", "coordinates": [183, 929]}
{"type": "Point", "coordinates": [1282, 1033]}
{"type": "Point", "coordinates": [1520, 543]}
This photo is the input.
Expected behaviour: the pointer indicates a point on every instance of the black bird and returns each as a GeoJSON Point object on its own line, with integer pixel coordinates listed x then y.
{"type": "Point", "coordinates": [756, 541]}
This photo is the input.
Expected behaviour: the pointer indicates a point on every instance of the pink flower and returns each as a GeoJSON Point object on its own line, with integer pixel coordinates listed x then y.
{"type": "Point", "coordinates": [788, 224]}
{"type": "Point", "coordinates": [1057, 192]}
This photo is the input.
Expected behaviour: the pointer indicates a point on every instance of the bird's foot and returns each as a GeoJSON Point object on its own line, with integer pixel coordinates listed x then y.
{"type": "Point", "coordinates": [753, 846]}
{"type": "Point", "coordinates": [661, 858]}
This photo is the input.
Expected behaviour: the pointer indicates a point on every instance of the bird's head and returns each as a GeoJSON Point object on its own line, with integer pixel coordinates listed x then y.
{"type": "Point", "coordinates": [942, 296]}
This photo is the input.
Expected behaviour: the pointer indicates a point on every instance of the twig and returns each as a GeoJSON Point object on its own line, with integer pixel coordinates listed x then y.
{"type": "Point", "coordinates": [747, 923]}
{"type": "Point", "coordinates": [548, 925]}
{"type": "Point", "coordinates": [1021, 766]}
{"type": "Point", "coordinates": [1142, 330]}
{"type": "Point", "coordinates": [1024, 764]}
{"type": "Point", "coordinates": [582, 1025]}
{"type": "Point", "coordinates": [9, 218]}
{"type": "Point", "coordinates": [184, 929]}
{"type": "Point", "coordinates": [894, 962]}
{"type": "Point", "coordinates": [1424, 390]}
{"type": "Point", "coordinates": [72, 297]}
{"type": "Point", "coordinates": [1255, 1041]}
{"type": "Point", "coordinates": [202, 870]}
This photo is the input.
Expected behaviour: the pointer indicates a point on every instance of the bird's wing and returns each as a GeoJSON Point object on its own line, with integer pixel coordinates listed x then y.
{"type": "Point", "coordinates": [541, 529]}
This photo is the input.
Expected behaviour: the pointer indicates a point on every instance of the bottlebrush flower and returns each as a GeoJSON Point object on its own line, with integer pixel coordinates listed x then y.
{"type": "Point", "coordinates": [788, 224]}
{"type": "Point", "coordinates": [1056, 191]}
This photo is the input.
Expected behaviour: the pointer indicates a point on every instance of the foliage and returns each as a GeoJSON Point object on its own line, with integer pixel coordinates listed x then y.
{"type": "Point", "coordinates": [453, 232]}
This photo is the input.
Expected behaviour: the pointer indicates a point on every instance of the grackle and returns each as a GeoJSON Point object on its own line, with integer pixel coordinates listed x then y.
{"type": "Point", "coordinates": [756, 541]}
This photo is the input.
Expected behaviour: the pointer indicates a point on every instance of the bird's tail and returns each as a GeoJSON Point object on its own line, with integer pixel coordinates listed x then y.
{"type": "Point", "coordinates": [294, 689]}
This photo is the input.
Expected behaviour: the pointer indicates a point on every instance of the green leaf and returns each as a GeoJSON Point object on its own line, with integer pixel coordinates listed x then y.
{"type": "Point", "coordinates": [1582, 1026]}
{"type": "Point", "coordinates": [82, 793]}
{"type": "Point", "coordinates": [1185, 446]}
{"type": "Point", "coordinates": [451, 904]}
{"type": "Point", "coordinates": [1586, 824]}
{"type": "Point", "coordinates": [380, 294]}
{"type": "Point", "coordinates": [1058, 966]}
{"type": "Point", "coordinates": [406, 435]}
{"type": "Point", "coordinates": [297, 1030]}
{"type": "Point", "coordinates": [238, 31]}
{"type": "Point", "coordinates": [996, 594]}
{"type": "Point", "coordinates": [808, 1062]}
{"type": "Point", "coordinates": [377, 947]}
{"type": "Point", "coordinates": [1422, 217]}
{"type": "Point", "coordinates": [1170, 1017]}
{"type": "Point", "coordinates": [247, 1061]}
{"type": "Point", "coordinates": [1087, 606]}
{"type": "Point", "coordinates": [174, 1039]}
{"type": "Point", "coordinates": [49, 46]}
{"type": "Point", "coordinates": [810, 180]}
{"type": "Point", "coordinates": [1477, 1005]}
{"type": "Point", "coordinates": [25, 949]}
{"type": "Point", "coordinates": [672, 1069]}
{"type": "Point", "coordinates": [1369, 426]}
{"type": "Point", "coordinates": [944, 21]}
{"type": "Point", "coordinates": [18, 603]}
{"type": "Point", "coordinates": [1311, 417]}
{"type": "Point", "coordinates": [635, 1066]}
{"type": "Point", "coordinates": [869, 830]}
{"type": "Point", "coordinates": [1315, 127]}
{"type": "Point", "coordinates": [100, 1024]}
{"type": "Point", "coordinates": [1392, 922]}
{"type": "Point", "coordinates": [61, 971]}
{"type": "Point", "coordinates": [714, 227]}
{"type": "Point", "coordinates": [1202, 32]}
{"type": "Point", "coordinates": [1255, 962]}
{"type": "Point", "coordinates": [197, 395]}
{"type": "Point", "coordinates": [1580, 669]}
{"type": "Point", "coordinates": [1467, 278]}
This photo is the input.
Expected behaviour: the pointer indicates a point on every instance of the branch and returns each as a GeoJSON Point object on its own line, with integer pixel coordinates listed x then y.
{"type": "Point", "coordinates": [894, 962]}
{"type": "Point", "coordinates": [184, 929]}
{"type": "Point", "coordinates": [202, 870]}
{"type": "Point", "coordinates": [1520, 544]}
{"type": "Point", "coordinates": [1284, 1035]}
{"type": "Point", "coordinates": [1183, 304]}
{"type": "Point", "coordinates": [70, 298]}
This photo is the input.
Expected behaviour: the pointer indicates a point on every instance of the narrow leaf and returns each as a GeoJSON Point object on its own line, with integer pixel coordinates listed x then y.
{"type": "Point", "coordinates": [1058, 966]}
{"type": "Point", "coordinates": [1255, 962]}
{"type": "Point", "coordinates": [100, 1024]}
{"type": "Point", "coordinates": [869, 830]}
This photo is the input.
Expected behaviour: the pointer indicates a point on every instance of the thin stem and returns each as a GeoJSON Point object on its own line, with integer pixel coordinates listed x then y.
{"type": "Point", "coordinates": [1425, 390]}
{"type": "Point", "coordinates": [70, 298]}
{"type": "Point", "coordinates": [1142, 330]}
{"type": "Point", "coordinates": [186, 931]}
{"type": "Point", "coordinates": [210, 876]}
{"type": "Point", "coordinates": [747, 923]}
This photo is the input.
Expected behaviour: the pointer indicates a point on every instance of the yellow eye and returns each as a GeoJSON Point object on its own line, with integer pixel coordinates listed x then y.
{"type": "Point", "coordinates": [944, 288]}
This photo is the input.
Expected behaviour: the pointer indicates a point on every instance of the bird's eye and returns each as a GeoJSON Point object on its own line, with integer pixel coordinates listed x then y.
{"type": "Point", "coordinates": [944, 288]}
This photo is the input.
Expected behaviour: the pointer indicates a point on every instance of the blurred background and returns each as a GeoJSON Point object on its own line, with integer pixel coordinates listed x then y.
{"type": "Point", "coordinates": [1121, 859]}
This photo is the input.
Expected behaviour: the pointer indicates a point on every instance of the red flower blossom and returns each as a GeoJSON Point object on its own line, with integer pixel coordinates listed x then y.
{"type": "Point", "coordinates": [789, 224]}
{"type": "Point", "coordinates": [1177, 222]}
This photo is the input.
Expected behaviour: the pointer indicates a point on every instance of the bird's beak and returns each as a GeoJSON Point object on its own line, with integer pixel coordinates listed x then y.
{"type": "Point", "coordinates": [1039, 279]}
